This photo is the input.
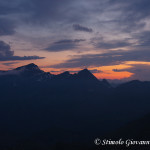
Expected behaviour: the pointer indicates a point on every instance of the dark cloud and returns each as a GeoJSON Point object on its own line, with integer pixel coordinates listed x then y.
{"type": "Point", "coordinates": [7, 54]}
{"type": "Point", "coordinates": [133, 13]}
{"type": "Point", "coordinates": [117, 70]}
{"type": "Point", "coordinates": [143, 38]}
{"type": "Point", "coordinates": [105, 59]}
{"type": "Point", "coordinates": [127, 15]}
{"type": "Point", "coordinates": [69, 41]}
{"type": "Point", "coordinates": [78, 27]}
{"type": "Point", "coordinates": [95, 71]}
{"type": "Point", "coordinates": [20, 58]}
{"type": "Point", "coordinates": [5, 50]}
{"type": "Point", "coordinates": [9, 23]}
{"type": "Point", "coordinates": [10, 63]}
{"type": "Point", "coordinates": [47, 10]}
{"type": "Point", "coordinates": [9, 7]}
{"type": "Point", "coordinates": [40, 12]}
{"type": "Point", "coordinates": [7, 27]}
{"type": "Point", "coordinates": [112, 44]}
{"type": "Point", "coordinates": [130, 12]}
{"type": "Point", "coordinates": [64, 45]}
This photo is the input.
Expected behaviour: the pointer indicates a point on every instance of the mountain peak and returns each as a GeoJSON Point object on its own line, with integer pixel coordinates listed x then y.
{"type": "Point", "coordinates": [86, 74]}
{"type": "Point", "coordinates": [30, 68]}
{"type": "Point", "coordinates": [85, 71]}
{"type": "Point", "coordinates": [31, 65]}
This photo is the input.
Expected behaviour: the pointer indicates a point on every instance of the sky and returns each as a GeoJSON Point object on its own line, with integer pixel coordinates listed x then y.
{"type": "Point", "coordinates": [109, 37]}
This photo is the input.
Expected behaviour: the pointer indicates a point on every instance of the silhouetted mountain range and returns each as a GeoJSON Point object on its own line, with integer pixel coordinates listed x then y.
{"type": "Point", "coordinates": [32, 71]}
{"type": "Point", "coordinates": [39, 109]}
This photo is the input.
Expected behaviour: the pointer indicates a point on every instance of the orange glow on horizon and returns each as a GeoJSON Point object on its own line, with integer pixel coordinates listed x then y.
{"type": "Point", "coordinates": [113, 75]}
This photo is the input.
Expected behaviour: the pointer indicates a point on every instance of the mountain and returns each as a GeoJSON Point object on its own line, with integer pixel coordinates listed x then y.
{"type": "Point", "coordinates": [23, 75]}
{"type": "Point", "coordinates": [85, 74]}
{"type": "Point", "coordinates": [135, 85]}
{"type": "Point", "coordinates": [37, 107]}
{"type": "Point", "coordinates": [29, 69]}
{"type": "Point", "coordinates": [32, 73]}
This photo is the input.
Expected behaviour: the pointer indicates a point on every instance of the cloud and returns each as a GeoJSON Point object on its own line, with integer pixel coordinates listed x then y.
{"type": "Point", "coordinates": [112, 44]}
{"type": "Point", "coordinates": [11, 7]}
{"type": "Point", "coordinates": [20, 58]}
{"type": "Point", "coordinates": [95, 71]}
{"type": "Point", "coordinates": [143, 38]}
{"type": "Point", "coordinates": [105, 59]}
{"type": "Point", "coordinates": [5, 50]}
{"type": "Point", "coordinates": [64, 45]}
{"type": "Point", "coordinates": [117, 70]}
{"type": "Point", "coordinates": [39, 12]}
{"type": "Point", "coordinates": [101, 42]}
{"type": "Point", "coordinates": [10, 63]}
{"type": "Point", "coordinates": [127, 15]}
{"type": "Point", "coordinates": [111, 15]}
{"type": "Point", "coordinates": [7, 54]}
{"type": "Point", "coordinates": [7, 27]}
{"type": "Point", "coordinates": [78, 27]}
{"type": "Point", "coordinates": [132, 13]}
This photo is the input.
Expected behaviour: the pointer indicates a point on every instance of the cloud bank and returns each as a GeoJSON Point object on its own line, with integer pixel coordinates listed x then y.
{"type": "Point", "coordinates": [6, 54]}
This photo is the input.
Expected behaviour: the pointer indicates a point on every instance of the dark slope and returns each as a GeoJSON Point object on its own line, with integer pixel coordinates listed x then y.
{"type": "Point", "coordinates": [29, 104]}
{"type": "Point", "coordinates": [138, 129]}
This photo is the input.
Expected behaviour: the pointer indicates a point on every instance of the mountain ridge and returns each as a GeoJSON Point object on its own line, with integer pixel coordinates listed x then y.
{"type": "Point", "coordinates": [32, 69]}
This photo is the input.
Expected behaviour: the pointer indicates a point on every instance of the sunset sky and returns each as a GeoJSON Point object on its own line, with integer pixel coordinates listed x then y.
{"type": "Point", "coordinates": [109, 37]}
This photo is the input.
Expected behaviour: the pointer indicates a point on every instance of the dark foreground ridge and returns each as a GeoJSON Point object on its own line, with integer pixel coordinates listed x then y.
{"type": "Point", "coordinates": [42, 111]}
